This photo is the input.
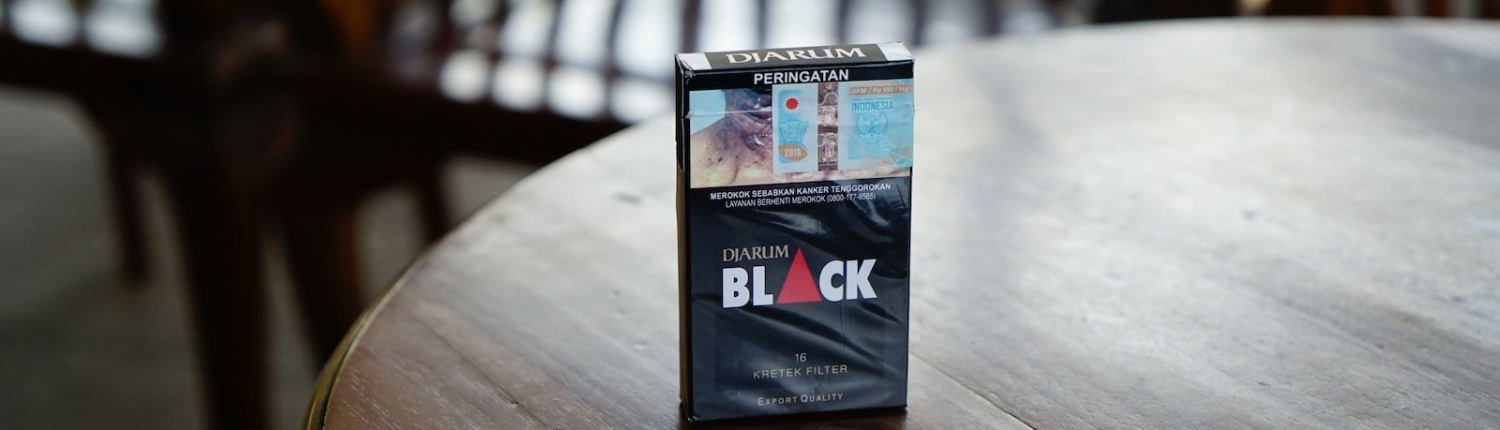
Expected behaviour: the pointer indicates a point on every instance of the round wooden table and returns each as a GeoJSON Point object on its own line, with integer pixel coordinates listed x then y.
{"type": "Point", "coordinates": [1210, 224]}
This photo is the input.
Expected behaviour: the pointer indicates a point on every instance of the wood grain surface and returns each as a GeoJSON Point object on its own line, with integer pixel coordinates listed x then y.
{"type": "Point", "coordinates": [1206, 224]}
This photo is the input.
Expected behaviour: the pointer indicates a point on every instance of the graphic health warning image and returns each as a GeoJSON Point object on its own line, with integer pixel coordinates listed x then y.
{"type": "Point", "coordinates": [788, 133]}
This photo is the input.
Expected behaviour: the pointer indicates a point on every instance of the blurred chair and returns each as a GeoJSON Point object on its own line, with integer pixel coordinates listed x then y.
{"type": "Point", "coordinates": [51, 44]}
{"type": "Point", "coordinates": [1487, 9]}
{"type": "Point", "coordinates": [160, 82]}
{"type": "Point", "coordinates": [1112, 11]}
{"type": "Point", "coordinates": [1338, 7]}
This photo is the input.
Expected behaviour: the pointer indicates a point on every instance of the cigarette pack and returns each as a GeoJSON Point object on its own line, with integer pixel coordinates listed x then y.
{"type": "Point", "coordinates": [794, 229]}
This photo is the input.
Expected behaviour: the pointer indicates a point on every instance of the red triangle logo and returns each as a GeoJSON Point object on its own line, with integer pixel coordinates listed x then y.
{"type": "Point", "coordinates": [799, 287]}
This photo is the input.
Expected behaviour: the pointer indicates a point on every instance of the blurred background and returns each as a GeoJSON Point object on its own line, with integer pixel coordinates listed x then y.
{"type": "Point", "coordinates": [198, 198]}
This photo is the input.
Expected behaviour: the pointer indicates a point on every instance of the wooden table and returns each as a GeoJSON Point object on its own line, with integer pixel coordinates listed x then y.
{"type": "Point", "coordinates": [1210, 224]}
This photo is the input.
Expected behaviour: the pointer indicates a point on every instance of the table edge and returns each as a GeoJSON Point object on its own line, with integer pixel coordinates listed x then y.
{"type": "Point", "coordinates": [328, 378]}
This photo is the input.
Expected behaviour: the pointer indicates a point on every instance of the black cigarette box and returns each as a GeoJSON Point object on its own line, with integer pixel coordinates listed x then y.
{"type": "Point", "coordinates": [794, 229]}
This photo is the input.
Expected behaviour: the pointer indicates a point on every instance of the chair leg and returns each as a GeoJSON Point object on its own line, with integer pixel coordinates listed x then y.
{"type": "Point", "coordinates": [320, 239]}
{"type": "Point", "coordinates": [1295, 8]}
{"type": "Point", "coordinates": [1173, 9]}
{"type": "Point", "coordinates": [127, 213]}
{"type": "Point", "coordinates": [1435, 8]}
{"type": "Point", "coordinates": [1360, 8]}
{"type": "Point", "coordinates": [1112, 11]}
{"type": "Point", "coordinates": [432, 204]}
{"type": "Point", "coordinates": [221, 246]}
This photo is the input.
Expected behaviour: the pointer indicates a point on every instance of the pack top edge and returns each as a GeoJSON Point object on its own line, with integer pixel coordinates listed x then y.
{"type": "Point", "coordinates": [795, 56]}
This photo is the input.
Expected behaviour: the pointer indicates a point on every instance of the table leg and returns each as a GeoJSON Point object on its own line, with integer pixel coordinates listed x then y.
{"type": "Point", "coordinates": [127, 212]}
{"type": "Point", "coordinates": [320, 246]}
{"type": "Point", "coordinates": [220, 232]}
{"type": "Point", "coordinates": [431, 201]}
